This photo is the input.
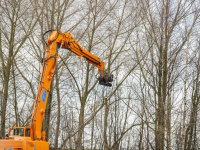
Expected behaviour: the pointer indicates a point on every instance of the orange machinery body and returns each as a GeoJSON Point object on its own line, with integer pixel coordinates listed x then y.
{"type": "Point", "coordinates": [35, 140]}
{"type": "Point", "coordinates": [21, 140]}
{"type": "Point", "coordinates": [23, 143]}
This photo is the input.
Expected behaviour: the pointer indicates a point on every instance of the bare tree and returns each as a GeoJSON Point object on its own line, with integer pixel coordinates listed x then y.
{"type": "Point", "coordinates": [11, 27]}
{"type": "Point", "coordinates": [160, 28]}
{"type": "Point", "coordinates": [191, 140]}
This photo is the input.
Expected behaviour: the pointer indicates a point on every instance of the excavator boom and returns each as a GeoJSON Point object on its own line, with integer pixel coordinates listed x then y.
{"type": "Point", "coordinates": [66, 41]}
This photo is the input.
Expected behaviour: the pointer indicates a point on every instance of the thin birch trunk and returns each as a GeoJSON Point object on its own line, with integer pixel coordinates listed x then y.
{"type": "Point", "coordinates": [185, 97]}
{"type": "Point", "coordinates": [106, 125]}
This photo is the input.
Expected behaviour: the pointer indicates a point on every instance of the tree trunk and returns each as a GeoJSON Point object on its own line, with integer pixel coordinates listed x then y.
{"type": "Point", "coordinates": [81, 128]}
{"type": "Point", "coordinates": [185, 98]}
{"type": "Point", "coordinates": [48, 111]}
{"type": "Point", "coordinates": [58, 115]}
{"type": "Point", "coordinates": [6, 75]}
{"type": "Point", "coordinates": [15, 97]}
{"type": "Point", "coordinates": [106, 124]}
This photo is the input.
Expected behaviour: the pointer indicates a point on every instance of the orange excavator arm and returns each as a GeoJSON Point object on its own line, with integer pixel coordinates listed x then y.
{"type": "Point", "coordinates": [64, 40]}
{"type": "Point", "coordinates": [68, 42]}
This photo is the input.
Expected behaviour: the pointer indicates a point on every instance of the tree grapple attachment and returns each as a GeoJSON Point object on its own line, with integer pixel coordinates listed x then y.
{"type": "Point", "coordinates": [106, 79]}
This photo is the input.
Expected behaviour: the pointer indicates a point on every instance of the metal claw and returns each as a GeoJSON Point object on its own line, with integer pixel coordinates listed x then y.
{"type": "Point", "coordinates": [108, 77]}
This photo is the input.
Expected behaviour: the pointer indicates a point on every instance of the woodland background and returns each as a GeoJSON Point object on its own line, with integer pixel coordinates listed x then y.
{"type": "Point", "coordinates": [152, 47]}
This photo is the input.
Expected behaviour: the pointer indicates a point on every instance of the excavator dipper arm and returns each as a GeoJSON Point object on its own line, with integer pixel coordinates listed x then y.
{"type": "Point", "coordinates": [68, 42]}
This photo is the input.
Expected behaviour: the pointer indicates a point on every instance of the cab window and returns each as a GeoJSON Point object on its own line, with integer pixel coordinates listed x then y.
{"type": "Point", "coordinates": [27, 132]}
{"type": "Point", "coordinates": [19, 131]}
{"type": "Point", "coordinates": [11, 131]}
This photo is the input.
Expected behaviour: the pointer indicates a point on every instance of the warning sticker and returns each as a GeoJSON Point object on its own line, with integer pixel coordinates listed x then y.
{"type": "Point", "coordinates": [44, 95]}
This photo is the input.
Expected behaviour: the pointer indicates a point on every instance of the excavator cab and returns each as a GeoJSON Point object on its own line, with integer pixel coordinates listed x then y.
{"type": "Point", "coordinates": [19, 131]}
